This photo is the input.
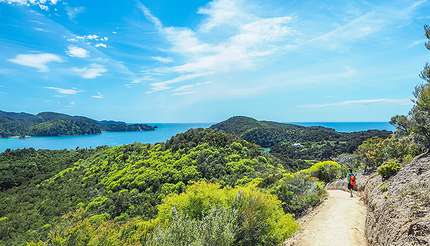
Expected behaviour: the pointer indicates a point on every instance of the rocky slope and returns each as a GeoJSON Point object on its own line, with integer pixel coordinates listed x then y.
{"type": "Point", "coordinates": [399, 208]}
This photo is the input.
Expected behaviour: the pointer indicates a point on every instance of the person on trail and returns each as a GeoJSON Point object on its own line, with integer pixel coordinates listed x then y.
{"type": "Point", "coordinates": [352, 182]}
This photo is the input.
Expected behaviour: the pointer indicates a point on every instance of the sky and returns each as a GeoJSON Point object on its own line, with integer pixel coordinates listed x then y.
{"type": "Point", "coordinates": [207, 60]}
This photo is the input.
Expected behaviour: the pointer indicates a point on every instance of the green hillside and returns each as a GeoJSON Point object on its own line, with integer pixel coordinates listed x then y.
{"type": "Point", "coordinates": [199, 183]}
{"type": "Point", "coordinates": [296, 144]}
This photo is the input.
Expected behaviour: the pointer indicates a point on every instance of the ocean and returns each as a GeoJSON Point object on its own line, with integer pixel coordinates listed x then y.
{"type": "Point", "coordinates": [161, 134]}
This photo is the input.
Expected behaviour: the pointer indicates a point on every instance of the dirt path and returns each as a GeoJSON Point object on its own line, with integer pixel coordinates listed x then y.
{"type": "Point", "coordinates": [340, 220]}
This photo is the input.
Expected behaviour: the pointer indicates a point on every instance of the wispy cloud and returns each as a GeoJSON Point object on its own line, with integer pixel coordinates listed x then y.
{"type": "Point", "coordinates": [98, 96]}
{"type": "Point", "coordinates": [43, 4]}
{"type": "Point", "coordinates": [100, 45]}
{"type": "Point", "coordinates": [162, 59]}
{"type": "Point", "coordinates": [417, 42]}
{"type": "Point", "coordinates": [403, 101]}
{"type": "Point", "coordinates": [39, 61]}
{"type": "Point", "coordinates": [75, 51]}
{"type": "Point", "coordinates": [90, 72]}
{"type": "Point", "coordinates": [188, 89]}
{"type": "Point", "coordinates": [72, 12]}
{"type": "Point", "coordinates": [223, 13]}
{"type": "Point", "coordinates": [252, 38]}
{"type": "Point", "coordinates": [371, 22]}
{"type": "Point", "coordinates": [165, 85]}
{"type": "Point", "coordinates": [93, 39]}
{"type": "Point", "coordinates": [63, 91]}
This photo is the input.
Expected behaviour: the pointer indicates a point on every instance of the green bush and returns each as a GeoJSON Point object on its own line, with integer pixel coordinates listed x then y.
{"type": "Point", "coordinates": [216, 228]}
{"type": "Point", "coordinates": [326, 171]}
{"type": "Point", "coordinates": [259, 218]}
{"type": "Point", "coordinates": [298, 192]}
{"type": "Point", "coordinates": [389, 168]}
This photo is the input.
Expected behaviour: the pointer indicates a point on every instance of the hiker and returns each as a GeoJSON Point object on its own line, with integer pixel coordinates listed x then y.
{"type": "Point", "coordinates": [351, 181]}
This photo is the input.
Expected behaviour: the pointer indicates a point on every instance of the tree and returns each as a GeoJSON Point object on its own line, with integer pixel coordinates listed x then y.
{"type": "Point", "coordinates": [417, 123]}
{"type": "Point", "coordinates": [401, 123]}
{"type": "Point", "coordinates": [420, 113]}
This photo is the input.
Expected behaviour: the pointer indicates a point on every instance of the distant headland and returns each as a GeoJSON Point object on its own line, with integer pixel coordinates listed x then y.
{"type": "Point", "coordinates": [57, 124]}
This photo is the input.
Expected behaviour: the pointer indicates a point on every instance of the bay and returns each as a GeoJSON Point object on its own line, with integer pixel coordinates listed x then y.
{"type": "Point", "coordinates": [161, 134]}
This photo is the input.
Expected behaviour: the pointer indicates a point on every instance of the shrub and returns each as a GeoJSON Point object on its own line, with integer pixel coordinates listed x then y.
{"type": "Point", "coordinates": [326, 171]}
{"type": "Point", "coordinates": [298, 192]}
{"type": "Point", "coordinates": [258, 216]}
{"type": "Point", "coordinates": [216, 228]}
{"type": "Point", "coordinates": [389, 168]}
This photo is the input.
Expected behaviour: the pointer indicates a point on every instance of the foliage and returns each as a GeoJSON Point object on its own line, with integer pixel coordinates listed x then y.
{"type": "Point", "coordinates": [259, 218]}
{"type": "Point", "coordinates": [326, 171]}
{"type": "Point", "coordinates": [417, 123]}
{"type": "Point", "coordinates": [389, 168]}
{"type": "Point", "coordinates": [295, 144]}
{"type": "Point", "coordinates": [63, 127]}
{"type": "Point", "coordinates": [21, 166]}
{"type": "Point", "coordinates": [126, 194]}
{"type": "Point", "coordinates": [268, 133]}
{"type": "Point", "coordinates": [298, 192]}
{"type": "Point", "coordinates": [216, 228]}
{"type": "Point", "coordinates": [121, 184]}
{"type": "Point", "coordinates": [370, 152]}
{"type": "Point", "coordinates": [374, 152]}
{"type": "Point", "coordinates": [351, 161]}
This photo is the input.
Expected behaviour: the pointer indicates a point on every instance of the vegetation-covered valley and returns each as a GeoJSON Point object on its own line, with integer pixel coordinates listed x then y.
{"type": "Point", "coordinates": [297, 145]}
{"type": "Point", "coordinates": [203, 181]}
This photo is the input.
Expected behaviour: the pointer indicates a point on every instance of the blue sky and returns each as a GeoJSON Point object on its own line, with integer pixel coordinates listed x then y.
{"type": "Point", "coordinates": [204, 61]}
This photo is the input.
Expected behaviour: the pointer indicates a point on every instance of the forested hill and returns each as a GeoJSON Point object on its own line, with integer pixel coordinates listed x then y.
{"type": "Point", "coordinates": [202, 187]}
{"type": "Point", "coordinates": [293, 142]}
{"type": "Point", "coordinates": [269, 133]}
{"type": "Point", "coordinates": [56, 124]}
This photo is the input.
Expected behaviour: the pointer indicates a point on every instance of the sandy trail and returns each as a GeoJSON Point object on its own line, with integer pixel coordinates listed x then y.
{"type": "Point", "coordinates": [340, 220]}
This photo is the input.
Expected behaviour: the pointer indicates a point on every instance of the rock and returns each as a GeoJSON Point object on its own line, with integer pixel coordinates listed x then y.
{"type": "Point", "coordinates": [399, 208]}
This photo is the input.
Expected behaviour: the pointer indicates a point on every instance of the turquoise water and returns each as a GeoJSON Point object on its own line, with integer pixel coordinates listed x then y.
{"type": "Point", "coordinates": [351, 126]}
{"type": "Point", "coordinates": [161, 134]}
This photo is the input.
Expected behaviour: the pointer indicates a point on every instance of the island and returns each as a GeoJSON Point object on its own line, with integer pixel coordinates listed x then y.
{"type": "Point", "coordinates": [57, 124]}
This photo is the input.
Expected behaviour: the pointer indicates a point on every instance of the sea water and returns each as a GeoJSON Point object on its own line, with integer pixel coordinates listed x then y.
{"type": "Point", "coordinates": [163, 132]}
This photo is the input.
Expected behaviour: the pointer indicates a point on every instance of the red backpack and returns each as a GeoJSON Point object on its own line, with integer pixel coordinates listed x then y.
{"type": "Point", "coordinates": [352, 180]}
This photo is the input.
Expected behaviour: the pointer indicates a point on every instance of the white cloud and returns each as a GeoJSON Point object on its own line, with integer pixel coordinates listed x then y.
{"type": "Point", "coordinates": [165, 85]}
{"type": "Point", "coordinates": [43, 4]}
{"type": "Point", "coordinates": [142, 79]}
{"type": "Point", "coordinates": [89, 37]}
{"type": "Point", "coordinates": [252, 38]}
{"type": "Point", "coordinates": [188, 89]}
{"type": "Point", "coordinates": [404, 101]}
{"type": "Point", "coordinates": [102, 45]}
{"type": "Point", "coordinates": [39, 61]}
{"type": "Point", "coordinates": [417, 42]}
{"type": "Point", "coordinates": [162, 59]}
{"type": "Point", "coordinates": [90, 72]}
{"type": "Point", "coordinates": [63, 91]}
{"type": "Point", "coordinates": [72, 12]}
{"type": "Point", "coordinates": [98, 96]}
{"type": "Point", "coordinates": [40, 29]}
{"type": "Point", "coordinates": [221, 13]}
{"type": "Point", "coordinates": [75, 51]}
{"type": "Point", "coordinates": [93, 39]}
{"type": "Point", "coordinates": [154, 20]}
{"type": "Point", "coordinates": [369, 23]}
{"type": "Point", "coordinates": [232, 38]}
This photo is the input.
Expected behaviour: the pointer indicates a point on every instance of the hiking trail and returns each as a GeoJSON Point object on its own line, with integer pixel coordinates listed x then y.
{"type": "Point", "coordinates": [339, 220]}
